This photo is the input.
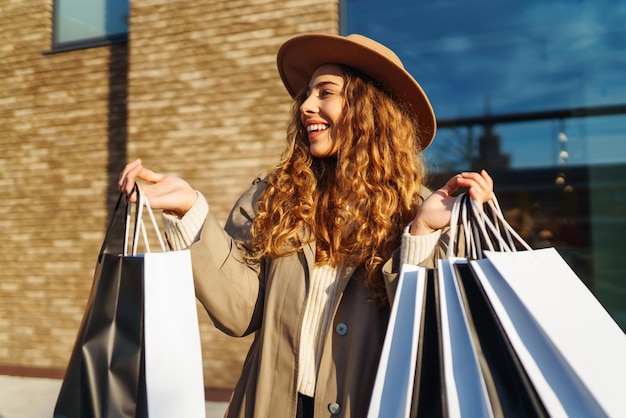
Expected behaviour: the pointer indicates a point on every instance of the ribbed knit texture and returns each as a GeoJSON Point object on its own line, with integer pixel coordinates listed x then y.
{"type": "Point", "coordinates": [182, 232]}
{"type": "Point", "coordinates": [317, 315]}
{"type": "Point", "coordinates": [417, 248]}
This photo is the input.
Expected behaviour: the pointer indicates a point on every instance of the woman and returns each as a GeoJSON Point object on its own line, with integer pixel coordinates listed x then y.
{"type": "Point", "coordinates": [308, 258]}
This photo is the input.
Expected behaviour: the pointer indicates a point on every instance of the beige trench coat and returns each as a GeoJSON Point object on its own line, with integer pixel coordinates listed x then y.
{"type": "Point", "coordinates": [269, 302]}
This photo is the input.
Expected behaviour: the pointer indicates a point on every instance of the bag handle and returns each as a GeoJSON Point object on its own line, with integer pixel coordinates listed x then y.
{"type": "Point", "coordinates": [112, 223]}
{"type": "Point", "coordinates": [140, 228]}
{"type": "Point", "coordinates": [454, 221]}
{"type": "Point", "coordinates": [480, 230]}
{"type": "Point", "coordinates": [495, 230]}
{"type": "Point", "coordinates": [466, 213]}
{"type": "Point", "coordinates": [508, 231]}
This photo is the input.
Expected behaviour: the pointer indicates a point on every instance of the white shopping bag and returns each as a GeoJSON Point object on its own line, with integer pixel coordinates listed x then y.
{"type": "Point", "coordinates": [173, 354]}
{"type": "Point", "coordinates": [393, 388]}
{"type": "Point", "coordinates": [172, 349]}
{"type": "Point", "coordinates": [572, 349]}
{"type": "Point", "coordinates": [463, 380]}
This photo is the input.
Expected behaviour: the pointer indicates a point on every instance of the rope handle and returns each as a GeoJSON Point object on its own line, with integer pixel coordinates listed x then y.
{"type": "Point", "coordinates": [140, 228]}
{"type": "Point", "coordinates": [483, 230]}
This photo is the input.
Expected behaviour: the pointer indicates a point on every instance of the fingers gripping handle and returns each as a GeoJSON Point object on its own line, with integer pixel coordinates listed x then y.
{"type": "Point", "coordinates": [139, 225]}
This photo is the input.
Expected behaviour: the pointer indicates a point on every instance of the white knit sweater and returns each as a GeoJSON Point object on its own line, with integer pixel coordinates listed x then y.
{"type": "Point", "coordinates": [181, 233]}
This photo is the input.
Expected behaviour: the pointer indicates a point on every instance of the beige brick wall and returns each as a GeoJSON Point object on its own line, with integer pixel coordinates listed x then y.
{"type": "Point", "coordinates": [53, 161]}
{"type": "Point", "coordinates": [195, 93]}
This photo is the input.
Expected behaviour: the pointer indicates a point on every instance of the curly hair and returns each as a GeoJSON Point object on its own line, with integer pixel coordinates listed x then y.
{"type": "Point", "coordinates": [355, 205]}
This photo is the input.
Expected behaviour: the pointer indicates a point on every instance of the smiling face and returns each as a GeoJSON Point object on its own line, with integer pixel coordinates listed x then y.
{"type": "Point", "coordinates": [321, 111]}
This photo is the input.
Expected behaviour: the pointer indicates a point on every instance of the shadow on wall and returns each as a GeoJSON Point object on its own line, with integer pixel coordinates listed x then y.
{"type": "Point", "coordinates": [117, 129]}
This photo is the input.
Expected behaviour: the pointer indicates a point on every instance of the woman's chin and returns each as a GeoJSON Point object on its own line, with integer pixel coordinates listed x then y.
{"type": "Point", "coordinates": [322, 152]}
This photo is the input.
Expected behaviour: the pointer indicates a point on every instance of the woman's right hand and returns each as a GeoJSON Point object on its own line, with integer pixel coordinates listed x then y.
{"type": "Point", "coordinates": [168, 193]}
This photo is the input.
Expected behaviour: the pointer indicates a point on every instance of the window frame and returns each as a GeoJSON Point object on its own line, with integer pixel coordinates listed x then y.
{"type": "Point", "coordinates": [85, 43]}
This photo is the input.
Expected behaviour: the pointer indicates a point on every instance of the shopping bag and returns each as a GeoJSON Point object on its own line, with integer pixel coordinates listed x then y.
{"type": "Point", "coordinates": [137, 352]}
{"type": "Point", "coordinates": [409, 379]}
{"type": "Point", "coordinates": [429, 365]}
{"type": "Point", "coordinates": [482, 376]}
{"type": "Point", "coordinates": [172, 349]}
{"type": "Point", "coordinates": [463, 379]}
{"type": "Point", "coordinates": [428, 398]}
{"type": "Point", "coordinates": [509, 390]}
{"type": "Point", "coordinates": [569, 346]}
{"type": "Point", "coordinates": [114, 306]}
{"type": "Point", "coordinates": [395, 378]}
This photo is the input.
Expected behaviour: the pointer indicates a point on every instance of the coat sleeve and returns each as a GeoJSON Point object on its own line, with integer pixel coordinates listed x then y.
{"type": "Point", "coordinates": [391, 268]}
{"type": "Point", "coordinates": [230, 289]}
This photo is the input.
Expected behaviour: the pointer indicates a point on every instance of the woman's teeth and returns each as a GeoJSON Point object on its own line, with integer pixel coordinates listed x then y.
{"type": "Point", "coordinates": [316, 127]}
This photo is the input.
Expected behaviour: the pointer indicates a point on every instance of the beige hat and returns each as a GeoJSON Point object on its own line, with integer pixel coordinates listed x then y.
{"type": "Point", "coordinates": [300, 56]}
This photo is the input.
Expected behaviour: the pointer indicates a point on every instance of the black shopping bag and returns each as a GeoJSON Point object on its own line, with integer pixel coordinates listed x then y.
{"type": "Point", "coordinates": [428, 399]}
{"type": "Point", "coordinates": [509, 389]}
{"type": "Point", "coordinates": [104, 374]}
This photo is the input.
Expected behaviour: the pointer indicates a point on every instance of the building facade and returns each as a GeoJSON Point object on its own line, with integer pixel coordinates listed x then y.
{"type": "Point", "coordinates": [194, 92]}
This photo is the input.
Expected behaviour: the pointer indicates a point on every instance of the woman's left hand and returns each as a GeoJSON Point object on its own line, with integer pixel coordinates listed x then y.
{"type": "Point", "coordinates": [435, 212]}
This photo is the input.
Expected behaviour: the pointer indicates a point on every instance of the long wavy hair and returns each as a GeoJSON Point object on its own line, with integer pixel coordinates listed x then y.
{"type": "Point", "coordinates": [355, 205]}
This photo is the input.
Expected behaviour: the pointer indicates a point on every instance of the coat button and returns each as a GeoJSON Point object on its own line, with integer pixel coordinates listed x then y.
{"type": "Point", "coordinates": [334, 408]}
{"type": "Point", "coordinates": [342, 329]}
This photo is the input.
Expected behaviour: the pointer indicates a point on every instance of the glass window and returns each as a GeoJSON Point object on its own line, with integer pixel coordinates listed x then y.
{"type": "Point", "coordinates": [84, 23]}
{"type": "Point", "coordinates": [535, 93]}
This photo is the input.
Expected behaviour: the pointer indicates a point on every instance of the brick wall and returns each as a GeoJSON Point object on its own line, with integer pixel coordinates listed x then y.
{"type": "Point", "coordinates": [54, 135]}
{"type": "Point", "coordinates": [194, 93]}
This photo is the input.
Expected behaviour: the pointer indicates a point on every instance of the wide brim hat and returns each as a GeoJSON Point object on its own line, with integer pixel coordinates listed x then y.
{"type": "Point", "coordinates": [299, 57]}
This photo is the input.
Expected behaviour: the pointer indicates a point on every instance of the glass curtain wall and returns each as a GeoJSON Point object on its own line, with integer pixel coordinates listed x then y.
{"type": "Point", "coordinates": [535, 93]}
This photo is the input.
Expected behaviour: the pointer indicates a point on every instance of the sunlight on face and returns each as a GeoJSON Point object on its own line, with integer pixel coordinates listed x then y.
{"type": "Point", "coordinates": [322, 110]}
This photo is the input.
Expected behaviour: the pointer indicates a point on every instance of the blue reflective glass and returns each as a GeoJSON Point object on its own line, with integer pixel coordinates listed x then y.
{"type": "Point", "coordinates": [484, 57]}
{"type": "Point", "coordinates": [533, 91]}
{"type": "Point", "coordinates": [88, 20]}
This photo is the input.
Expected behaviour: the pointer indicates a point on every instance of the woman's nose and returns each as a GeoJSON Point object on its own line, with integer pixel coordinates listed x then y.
{"type": "Point", "coordinates": [309, 105]}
